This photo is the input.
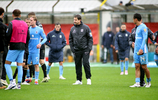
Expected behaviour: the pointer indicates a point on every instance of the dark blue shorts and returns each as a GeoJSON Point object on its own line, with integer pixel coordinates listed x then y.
{"type": "Point", "coordinates": [124, 54]}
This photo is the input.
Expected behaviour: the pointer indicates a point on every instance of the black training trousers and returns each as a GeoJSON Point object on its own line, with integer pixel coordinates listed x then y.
{"type": "Point", "coordinates": [142, 76]}
{"type": "Point", "coordinates": [82, 57]}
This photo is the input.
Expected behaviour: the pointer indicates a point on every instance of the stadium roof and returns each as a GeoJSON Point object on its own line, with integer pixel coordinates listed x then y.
{"type": "Point", "coordinates": [139, 5]}
{"type": "Point", "coordinates": [143, 5]}
{"type": "Point", "coordinates": [46, 5]}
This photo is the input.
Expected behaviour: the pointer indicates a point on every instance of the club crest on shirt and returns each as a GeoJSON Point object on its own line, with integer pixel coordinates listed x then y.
{"type": "Point", "coordinates": [126, 35]}
{"type": "Point", "coordinates": [144, 30]}
{"type": "Point", "coordinates": [32, 35]}
{"type": "Point", "coordinates": [36, 32]}
{"type": "Point", "coordinates": [109, 35]}
{"type": "Point", "coordinates": [81, 30]}
{"type": "Point", "coordinates": [60, 36]}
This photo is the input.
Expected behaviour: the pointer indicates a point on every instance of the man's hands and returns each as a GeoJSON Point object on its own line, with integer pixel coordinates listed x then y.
{"type": "Point", "coordinates": [133, 44]}
{"type": "Point", "coordinates": [39, 46]}
{"type": "Point", "coordinates": [140, 51]}
{"type": "Point", "coordinates": [116, 51]}
{"type": "Point", "coordinates": [102, 46]}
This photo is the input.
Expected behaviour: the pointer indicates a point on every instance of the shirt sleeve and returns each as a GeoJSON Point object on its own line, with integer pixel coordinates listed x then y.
{"type": "Point", "coordinates": [131, 39]}
{"type": "Point", "coordinates": [64, 41]}
{"type": "Point", "coordinates": [9, 32]}
{"type": "Point", "coordinates": [71, 41]}
{"type": "Point", "coordinates": [48, 39]}
{"type": "Point", "coordinates": [144, 35]}
{"type": "Point", "coordinates": [43, 36]}
{"type": "Point", "coordinates": [116, 42]}
{"type": "Point", "coordinates": [90, 39]}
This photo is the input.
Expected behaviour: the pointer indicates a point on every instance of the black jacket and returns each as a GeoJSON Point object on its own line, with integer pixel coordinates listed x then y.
{"type": "Point", "coordinates": [121, 40]}
{"type": "Point", "coordinates": [132, 36]}
{"type": "Point", "coordinates": [156, 36]}
{"type": "Point", "coordinates": [16, 46]}
{"type": "Point", "coordinates": [39, 24]}
{"type": "Point", "coordinates": [80, 38]}
{"type": "Point", "coordinates": [3, 29]}
{"type": "Point", "coordinates": [27, 43]}
{"type": "Point", "coordinates": [107, 39]}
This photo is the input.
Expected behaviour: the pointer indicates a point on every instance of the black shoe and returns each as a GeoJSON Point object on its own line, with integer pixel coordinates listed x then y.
{"type": "Point", "coordinates": [111, 62]}
{"type": "Point", "coordinates": [142, 84]}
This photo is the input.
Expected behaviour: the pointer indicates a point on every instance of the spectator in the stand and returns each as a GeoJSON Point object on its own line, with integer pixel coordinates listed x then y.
{"type": "Point", "coordinates": [107, 44]}
{"type": "Point", "coordinates": [121, 3]}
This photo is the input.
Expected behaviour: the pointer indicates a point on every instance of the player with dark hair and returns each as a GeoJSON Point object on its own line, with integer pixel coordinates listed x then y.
{"type": "Point", "coordinates": [81, 42]}
{"type": "Point", "coordinates": [25, 65]}
{"type": "Point", "coordinates": [18, 35]}
{"type": "Point", "coordinates": [56, 44]}
{"type": "Point", "coordinates": [140, 51]}
{"type": "Point", "coordinates": [122, 48]}
{"type": "Point", "coordinates": [132, 42]}
{"type": "Point", "coordinates": [34, 45]}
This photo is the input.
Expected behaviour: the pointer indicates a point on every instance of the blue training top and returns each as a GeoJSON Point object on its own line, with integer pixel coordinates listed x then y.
{"type": "Point", "coordinates": [141, 39]}
{"type": "Point", "coordinates": [35, 36]}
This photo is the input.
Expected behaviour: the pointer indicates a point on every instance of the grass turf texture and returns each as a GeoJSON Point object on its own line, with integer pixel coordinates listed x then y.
{"type": "Point", "coordinates": [107, 84]}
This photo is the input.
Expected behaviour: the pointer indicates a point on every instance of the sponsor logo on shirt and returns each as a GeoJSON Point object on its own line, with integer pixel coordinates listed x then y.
{"type": "Point", "coordinates": [74, 31]}
{"type": "Point", "coordinates": [120, 36]}
{"type": "Point", "coordinates": [90, 34]}
{"type": "Point", "coordinates": [138, 37]}
{"type": "Point", "coordinates": [36, 32]}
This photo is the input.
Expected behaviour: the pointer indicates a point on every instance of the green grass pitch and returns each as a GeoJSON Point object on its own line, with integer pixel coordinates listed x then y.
{"type": "Point", "coordinates": [107, 84]}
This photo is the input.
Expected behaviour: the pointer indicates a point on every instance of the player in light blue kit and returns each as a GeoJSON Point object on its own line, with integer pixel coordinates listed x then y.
{"type": "Point", "coordinates": [141, 50]}
{"type": "Point", "coordinates": [34, 45]}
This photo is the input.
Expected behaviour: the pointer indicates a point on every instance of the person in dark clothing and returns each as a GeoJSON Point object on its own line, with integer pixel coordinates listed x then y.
{"type": "Point", "coordinates": [3, 29]}
{"type": "Point", "coordinates": [3, 78]}
{"type": "Point", "coordinates": [81, 42]}
{"type": "Point", "coordinates": [107, 44]}
{"type": "Point", "coordinates": [117, 30]}
{"type": "Point", "coordinates": [56, 44]}
{"type": "Point", "coordinates": [18, 35]}
{"type": "Point", "coordinates": [122, 48]}
{"type": "Point", "coordinates": [132, 42]}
